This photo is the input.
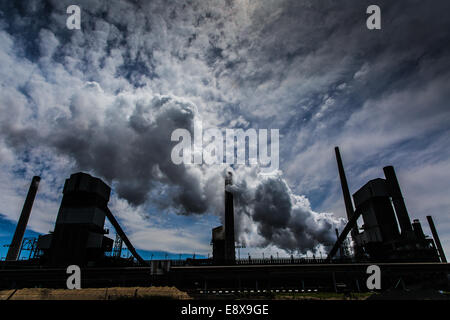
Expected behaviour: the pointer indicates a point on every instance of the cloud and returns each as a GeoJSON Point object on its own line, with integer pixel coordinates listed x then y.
{"type": "Point", "coordinates": [270, 214]}
{"type": "Point", "coordinates": [105, 98]}
{"type": "Point", "coordinates": [147, 234]}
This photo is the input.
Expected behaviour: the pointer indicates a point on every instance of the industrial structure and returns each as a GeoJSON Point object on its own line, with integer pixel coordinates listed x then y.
{"type": "Point", "coordinates": [223, 241]}
{"type": "Point", "coordinates": [380, 203]}
{"type": "Point", "coordinates": [16, 243]}
{"type": "Point", "coordinates": [387, 238]}
{"type": "Point", "coordinates": [79, 236]}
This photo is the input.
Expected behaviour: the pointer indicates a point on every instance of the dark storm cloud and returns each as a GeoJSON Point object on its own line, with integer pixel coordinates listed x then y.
{"type": "Point", "coordinates": [134, 151]}
{"type": "Point", "coordinates": [272, 205]}
{"type": "Point", "coordinates": [283, 219]}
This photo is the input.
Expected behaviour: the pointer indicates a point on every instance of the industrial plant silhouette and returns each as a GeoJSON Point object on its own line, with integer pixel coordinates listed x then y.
{"type": "Point", "coordinates": [401, 249]}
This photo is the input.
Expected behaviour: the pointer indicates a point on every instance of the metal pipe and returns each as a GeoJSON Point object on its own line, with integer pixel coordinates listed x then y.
{"type": "Point", "coordinates": [397, 200]}
{"type": "Point", "coordinates": [350, 224]}
{"type": "Point", "coordinates": [345, 191]}
{"type": "Point", "coordinates": [124, 237]}
{"type": "Point", "coordinates": [230, 250]}
{"type": "Point", "coordinates": [14, 248]}
{"type": "Point", "coordinates": [437, 241]}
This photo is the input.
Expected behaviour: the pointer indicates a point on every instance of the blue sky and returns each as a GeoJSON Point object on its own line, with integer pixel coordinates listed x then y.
{"type": "Point", "coordinates": [7, 228]}
{"type": "Point", "coordinates": [105, 99]}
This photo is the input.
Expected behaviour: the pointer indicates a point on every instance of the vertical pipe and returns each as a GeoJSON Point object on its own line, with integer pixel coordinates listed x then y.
{"type": "Point", "coordinates": [437, 241]}
{"type": "Point", "coordinates": [417, 227]}
{"type": "Point", "coordinates": [14, 248]}
{"type": "Point", "coordinates": [230, 254]}
{"type": "Point", "coordinates": [345, 191]}
{"type": "Point", "coordinates": [397, 200]}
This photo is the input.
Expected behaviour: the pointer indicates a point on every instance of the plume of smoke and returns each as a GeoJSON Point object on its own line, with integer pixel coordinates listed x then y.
{"type": "Point", "coordinates": [269, 213]}
{"type": "Point", "coordinates": [128, 144]}
{"type": "Point", "coordinates": [124, 139]}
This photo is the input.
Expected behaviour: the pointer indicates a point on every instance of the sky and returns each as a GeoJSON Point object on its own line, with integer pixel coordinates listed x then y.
{"type": "Point", "coordinates": [105, 99]}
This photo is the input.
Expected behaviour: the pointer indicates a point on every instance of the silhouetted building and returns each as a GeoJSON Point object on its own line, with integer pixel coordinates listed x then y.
{"type": "Point", "coordinates": [373, 202]}
{"type": "Point", "coordinates": [380, 203]}
{"type": "Point", "coordinates": [79, 235]}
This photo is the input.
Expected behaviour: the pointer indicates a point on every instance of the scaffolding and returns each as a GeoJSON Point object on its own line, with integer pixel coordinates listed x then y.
{"type": "Point", "coordinates": [117, 250]}
{"type": "Point", "coordinates": [29, 244]}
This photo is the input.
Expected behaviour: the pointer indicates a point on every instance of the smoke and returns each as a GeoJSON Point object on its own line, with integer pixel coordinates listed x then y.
{"type": "Point", "coordinates": [269, 213]}
{"type": "Point", "coordinates": [128, 144]}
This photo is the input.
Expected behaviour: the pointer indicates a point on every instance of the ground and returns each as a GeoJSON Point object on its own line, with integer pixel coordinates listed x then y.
{"type": "Point", "coordinates": [172, 293]}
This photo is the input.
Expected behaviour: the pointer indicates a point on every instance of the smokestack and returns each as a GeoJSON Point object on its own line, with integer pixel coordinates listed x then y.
{"type": "Point", "coordinates": [14, 248]}
{"type": "Point", "coordinates": [345, 191]}
{"type": "Point", "coordinates": [230, 254]}
{"type": "Point", "coordinates": [436, 239]}
{"type": "Point", "coordinates": [417, 227]}
{"type": "Point", "coordinates": [397, 200]}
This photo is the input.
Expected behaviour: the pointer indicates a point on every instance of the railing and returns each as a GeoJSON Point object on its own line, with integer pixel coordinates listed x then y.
{"type": "Point", "coordinates": [258, 261]}
{"type": "Point", "coordinates": [280, 261]}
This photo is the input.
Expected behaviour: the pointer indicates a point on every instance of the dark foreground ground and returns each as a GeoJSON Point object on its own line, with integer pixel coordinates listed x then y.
{"type": "Point", "coordinates": [171, 293]}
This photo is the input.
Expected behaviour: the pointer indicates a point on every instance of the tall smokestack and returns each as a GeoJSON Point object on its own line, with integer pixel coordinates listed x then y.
{"type": "Point", "coordinates": [437, 241]}
{"type": "Point", "coordinates": [397, 200]}
{"type": "Point", "coordinates": [345, 191]}
{"type": "Point", "coordinates": [14, 248]}
{"type": "Point", "coordinates": [230, 253]}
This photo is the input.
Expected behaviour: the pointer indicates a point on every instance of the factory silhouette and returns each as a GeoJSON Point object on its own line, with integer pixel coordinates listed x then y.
{"type": "Point", "coordinates": [386, 238]}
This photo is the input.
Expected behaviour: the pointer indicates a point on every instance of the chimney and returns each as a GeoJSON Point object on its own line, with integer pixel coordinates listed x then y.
{"type": "Point", "coordinates": [230, 254]}
{"type": "Point", "coordinates": [417, 227]}
{"type": "Point", "coordinates": [14, 248]}
{"type": "Point", "coordinates": [397, 200]}
{"type": "Point", "coordinates": [345, 191]}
